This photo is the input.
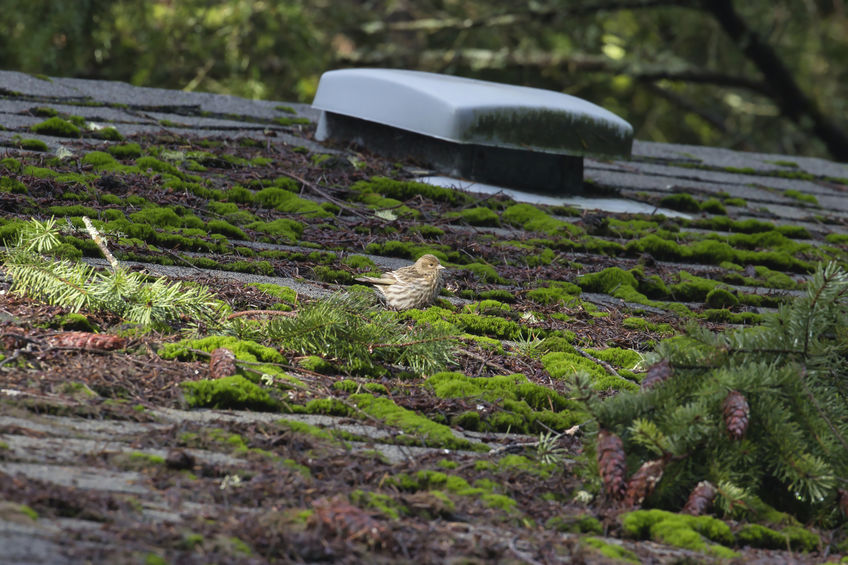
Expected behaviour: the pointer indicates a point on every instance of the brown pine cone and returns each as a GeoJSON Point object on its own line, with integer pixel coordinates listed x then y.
{"type": "Point", "coordinates": [222, 364]}
{"type": "Point", "coordinates": [657, 373]}
{"type": "Point", "coordinates": [700, 499]}
{"type": "Point", "coordinates": [736, 413]}
{"type": "Point", "coordinates": [643, 481]}
{"type": "Point", "coordinates": [612, 464]}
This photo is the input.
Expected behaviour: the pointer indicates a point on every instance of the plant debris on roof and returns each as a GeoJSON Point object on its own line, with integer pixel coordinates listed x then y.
{"type": "Point", "coordinates": [298, 420]}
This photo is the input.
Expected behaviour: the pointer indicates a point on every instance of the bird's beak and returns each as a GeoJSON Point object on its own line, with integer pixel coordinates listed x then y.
{"type": "Point", "coordinates": [440, 267]}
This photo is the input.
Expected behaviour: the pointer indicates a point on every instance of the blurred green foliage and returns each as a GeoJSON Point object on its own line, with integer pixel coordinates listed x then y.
{"type": "Point", "coordinates": [667, 67]}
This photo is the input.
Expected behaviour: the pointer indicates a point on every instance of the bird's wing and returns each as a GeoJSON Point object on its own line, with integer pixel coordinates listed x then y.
{"type": "Point", "coordinates": [373, 280]}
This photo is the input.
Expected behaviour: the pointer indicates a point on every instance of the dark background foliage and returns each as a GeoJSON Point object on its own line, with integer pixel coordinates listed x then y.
{"type": "Point", "coordinates": [759, 75]}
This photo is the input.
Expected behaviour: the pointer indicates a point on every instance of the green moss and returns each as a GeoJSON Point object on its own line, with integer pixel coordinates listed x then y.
{"type": "Point", "coordinates": [681, 201]}
{"type": "Point", "coordinates": [330, 275]}
{"type": "Point", "coordinates": [477, 216]}
{"type": "Point", "coordinates": [721, 298]}
{"type": "Point", "coordinates": [74, 321]}
{"type": "Point", "coordinates": [109, 134]}
{"type": "Point", "coordinates": [233, 392]}
{"type": "Point", "coordinates": [514, 462]}
{"type": "Point", "coordinates": [288, 202]}
{"type": "Point", "coordinates": [225, 228]}
{"type": "Point", "coordinates": [317, 365]}
{"type": "Point", "coordinates": [644, 325]}
{"type": "Point", "coordinates": [405, 190]}
{"type": "Point", "coordinates": [565, 365]}
{"type": "Point", "coordinates": [795, 538]}
{"type": "Point", "coordinates": [532, 218]}
{"type": "Point", "coordinates": [73, 211]}
{"type": "Point", "coordinates": [532, 406]}
{"type": "Point", "coordinates": [485, 273]}
{"type": "Point", "coordinates": [427, 231]}
{"type": "Point", "coordinates": [801, 197]}
{"type": "Point", "coordinates": [713, 206]}
{"type": "Point", "coordinates": [622, 358]}
{"type": "Point", "coordinates": [245, 350]}
{"type": "Point", "coordinates": [284, 293]}
{"type": "Point", "coordinates": [281, 227]}
{"type": "Point", "coordinates": [8, 184]}
{"type": "Point", "coordinates": [44, 111]}
{"type": "Point", "coordinates": [100, 160]}
{"type": "Point", "coordinates": [383, 503]}
{"type": "Point", "coordinates": [611, 551]}
{"type": "Point", "coordinates": [32, 144]}
{"type": "Point", "coordinates": [56, 126]}
{"type": "Point", "coordinates": [557, 293]}
{"type": "Point", "coordinates": [412, 423]}
{"type": "Point", "coordinates": [125, 150]}
{"type": "Point", "coordinates": [607, 281]}
{"type": "Point", "coordinates": [11, 164]}
{"type": "Point", "coordinates": [359, 262]}
{"type": "Point", "coordinates": [681, 530]}
{"type": "Point", "coordinates": [157, 166]}
{"type": "Point", "coordinates": [579, 524]}
{"type": "Point", "coordinates": [739, 202]}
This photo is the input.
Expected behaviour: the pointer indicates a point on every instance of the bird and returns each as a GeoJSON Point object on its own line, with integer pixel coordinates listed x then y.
{"type": "Point", "coordinates": [414, 286]}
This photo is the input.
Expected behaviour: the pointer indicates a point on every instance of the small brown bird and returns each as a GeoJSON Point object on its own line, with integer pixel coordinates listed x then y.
{"type": "Point", "coordinates": [411, 287]}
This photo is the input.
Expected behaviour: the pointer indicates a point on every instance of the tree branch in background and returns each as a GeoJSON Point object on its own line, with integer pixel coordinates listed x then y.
{"type": "Point", "coordinates": [785, 91]}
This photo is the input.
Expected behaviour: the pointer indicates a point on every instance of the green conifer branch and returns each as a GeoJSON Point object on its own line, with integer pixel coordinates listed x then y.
{"type": "Point", "coordinates": [76, 285]}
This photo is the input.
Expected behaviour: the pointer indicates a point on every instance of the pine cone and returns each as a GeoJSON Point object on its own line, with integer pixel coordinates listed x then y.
{"type": "Point", "coordinates": [657, 373]}
{"type": "Point", "coordinates": [611, 461]}
{"type": "Point", "coordinates": [87, 340]}
{"type": "Point", "coordinates": [736, 412]}
{"type": "Point", "coordinates": [222, 363]}
{"type": "Point", "coordinates": [700, 499]}
{"type": "Point", "coordinates": [643, 481]}
{"type": "Point", "coordinates": [843, 501]}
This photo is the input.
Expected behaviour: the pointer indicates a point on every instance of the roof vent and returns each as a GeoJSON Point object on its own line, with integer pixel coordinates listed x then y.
{"type": "Point", "coordinates": [514, 136]}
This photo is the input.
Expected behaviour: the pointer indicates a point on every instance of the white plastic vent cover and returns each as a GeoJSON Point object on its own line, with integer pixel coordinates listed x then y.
{"type": "Point", "coordinates": [477, 129]}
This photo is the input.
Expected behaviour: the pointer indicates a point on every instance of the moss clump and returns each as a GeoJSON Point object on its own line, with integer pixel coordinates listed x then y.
{"type": "Point", "coordinates": [359, 262]}
{"type": "Point", "coordinates": [680, 530]}
{"type": "Point", "coordinates": [713, 206]}
{"type": "Point", "coordinates": [410, 422]}
{"type": "Point", "coordinates": [801, 197]}
{"type": "Point", "coordinates": [795, 538]}
{"type": "Point", "coordinates": [225, 228]}
{"type": "Point", "coordinates": [157, 166]}
{"type": "Point", "coordinates": [100, 160]}
{"type": "Point", "coordinates": [458, 385]}
{"type": "Point", "coordinates": [290, 203]}
{"type": "Point", "coordinates": [125, 151]}
{"type": "Point", "coordinates": [109, 134]}
{"type": "Point", "coordinates": [404, 190]}
{"type": "Point", "coordinates": [8, 184]}
{"type": "Point", "coordinates": [74, 322]}
{"type": "Point", "coordinates": [330, 275]}
{"type": "Point", "coordinates": [284, 293]}
{"type": "Point", "coordinates": [556, 293]}
{"type": "Point", "coordinates": [75, 210]}
{"type": "Point", "coordinates": [317, 365]}
{"type": "Point", "coordinates": [234, 392]}
{"type": "Point", "coordinates": [579, 524]}
{"type": "Point", "coordinates": [721, 298]}
{"type": "Point", "coordinates": [560, 364]}
{"type": "Point", "coordinates": [681, 201]}
{"type": "Point", "coordinates": [641, 324]}
{"type": "Point", "coordinates": [485, 273]}
{"type": "Point", "coordinates": [32, 144]}
{"type": "Point", "coordinates": [243, 349]}
{"type": "Point", "coordinates": [383, 503]}
{"type": "Point", "coordinates": [607, 281]}
{"type": "Point", "coordinates": [56, 126]}
{"type": "Point", "coordinates": [478, 216]}
{"type": "Point", "coordinates": [532, 218]}
{"type": "Point", "coordinates": [611, 551]}
{"type": "Point", "coordinates": [281, 227]}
